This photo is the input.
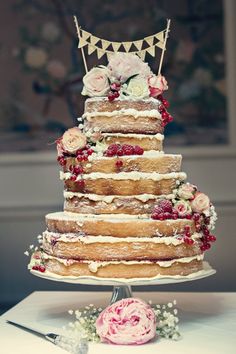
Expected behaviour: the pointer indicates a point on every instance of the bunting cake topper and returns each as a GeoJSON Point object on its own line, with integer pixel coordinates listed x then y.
{"type": "Point", "coordinates": [104, 47]}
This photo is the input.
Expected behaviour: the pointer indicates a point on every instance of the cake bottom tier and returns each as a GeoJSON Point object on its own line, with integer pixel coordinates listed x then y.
{"type": "Point", "coordinates": [124, 269]}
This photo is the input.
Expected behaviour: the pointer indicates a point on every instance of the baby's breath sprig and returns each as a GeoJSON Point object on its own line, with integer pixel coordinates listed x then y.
{"type": "Point", "coordinates": [167, 321]}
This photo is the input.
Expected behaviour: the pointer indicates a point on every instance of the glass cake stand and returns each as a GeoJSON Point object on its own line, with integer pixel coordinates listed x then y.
{"type": "Point", "coordinates": [122, 287]}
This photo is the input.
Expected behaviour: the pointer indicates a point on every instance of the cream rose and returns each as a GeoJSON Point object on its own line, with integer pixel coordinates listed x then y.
{"type": "Point", "coordinates": [157, 84]}
{"type": "Point", "coordinates": [72, 140]}
{"type": "Point", "coordinates": [200, 203]}
{"type": "Point", "coordinates": [136, 88]}
{"type": "Point", "coordinates": [125, 65]}
{"type": "Point", "coordinates": [182, 207]}
{"type": "Point", "coordinates": [186, 191]}
{"type": "Point", "coordinates": [96, 82]}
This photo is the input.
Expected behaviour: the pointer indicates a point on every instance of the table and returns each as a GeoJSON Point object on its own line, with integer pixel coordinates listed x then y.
{"type": "Point", "coordinates": [207, 323]}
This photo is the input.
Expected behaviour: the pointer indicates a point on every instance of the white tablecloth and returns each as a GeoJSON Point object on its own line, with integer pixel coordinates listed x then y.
{"type": "Point", "coordinates": [207, 323]}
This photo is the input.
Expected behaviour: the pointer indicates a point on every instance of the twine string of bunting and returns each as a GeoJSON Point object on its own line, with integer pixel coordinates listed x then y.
{"type": "Point", "coordinates": [90, 41]}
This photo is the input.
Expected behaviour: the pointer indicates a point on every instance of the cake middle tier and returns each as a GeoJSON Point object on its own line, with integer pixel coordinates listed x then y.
{"type": "Point", "coordinates": [124, 183]}
{"type": "Point", "coordinates": [117, 225]}
{"type": "Point", "coordinates": [106, 248]}
{"type": "Point", "coordinates": [150, 161]}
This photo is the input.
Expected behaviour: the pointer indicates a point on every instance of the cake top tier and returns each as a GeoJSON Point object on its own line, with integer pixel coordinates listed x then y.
{"type": "Point", "coordinates": [125, 77]}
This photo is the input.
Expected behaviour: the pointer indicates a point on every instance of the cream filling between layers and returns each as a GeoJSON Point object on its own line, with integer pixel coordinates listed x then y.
{"type": "Point", "coordinates": [153, 113]}
{"type": "Point", "coordinates": [134, 176]}
{"type": "Point", "coordinates": [157, 136]}
{"type": "Point", "coordinates": [109, 198]}
{"type": "Point", "coordinates": [149, 153]}
{"type": "Point", "coordinates": [72, 237]}
{"type": "Point", "coordinates": [95, 265]}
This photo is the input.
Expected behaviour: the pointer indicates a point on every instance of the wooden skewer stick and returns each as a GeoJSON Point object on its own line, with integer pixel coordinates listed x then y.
{"type": "Point", "coordinates": [164, 48]}
{"type": "Point", "coordinates": [82, 49]}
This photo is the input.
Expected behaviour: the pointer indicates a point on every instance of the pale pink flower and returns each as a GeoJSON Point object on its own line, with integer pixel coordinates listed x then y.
{"type": "Point", "coordinates": [96, 82]}
{"type": "Point", "coordinates": [125, 65]}
{"type": "Point", "coordinates": [186, 191]}
{"type": "Point", "coordinates": [183, 207]}
{"type": "Point", "coordinates": [157, 84]}
{"type": "Point", "coordinates": [73, 139]}
{"type": "Point", "coordinates": [200, 203]}
{"type": "Point", "coordinates": [128, 321]}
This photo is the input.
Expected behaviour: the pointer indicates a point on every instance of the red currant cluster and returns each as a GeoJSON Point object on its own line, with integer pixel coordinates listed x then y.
{"type": "Point", "coordinates": [202, 225]}
{"type": "Point", "coordinates": [114, 91]}
{"type": "Point", "coordinates": [187, 235]}
{"type": "Point", "coordinates": [81, 155]}
{"type": "Point", "coordinates": [166, 117]}
{"type": "Point", "coordinates": [122, 150]}
{"type": "Point", "coordinates": [75, 170]}
{"type": "Point", "coordinates": [40, 268]}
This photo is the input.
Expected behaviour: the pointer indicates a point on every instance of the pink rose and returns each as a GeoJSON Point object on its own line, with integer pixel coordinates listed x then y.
{"type": "Point", "coordinates": [183, 208]}
{"type": "Point", "coordinates": [128, 321]}
{"type": "Point", "coordinates": [72, 140]}
{"type": "Point", "coordinates": [157, 84]}
{"type": "Point", "coordinates": [200, 203]}
{"type": "Point", "coordinates": [186, 191]}
{"type": "Point", "coordinates": [96, 82]}
{"type": "Point", "coordinates": [125, 65]}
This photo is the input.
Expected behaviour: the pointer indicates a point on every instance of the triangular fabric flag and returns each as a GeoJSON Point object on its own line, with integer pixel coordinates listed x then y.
{"type": "Point", "coordinates": [138, 44]}
{"type": "Point", "coordinates": [109, 54]}
{"type": "Point", "coordinates": [127, 46]}
{"type": "Point", "coordinates": [105, 44]}
{"type": "Point", "coordinates": [142, 54]}
{"type": "Point", "coordinates": [94, 40]}
{"type": "Point", "coordinates": [100, 53]}
{"type": "Point", "coordinates": [160, 36]}
{"type": "Point", "coordinates": [116, 46]}
{"type": "Point", "coordinates": [160, 45]}
{"type": "Point", "coordinates": [82, 42]}
{"type": "Point", "coordinates": [151, 51]}
{"type": "Point", "coordinates": [91, 49]}
{"type": "Point", "coordinates": [149, 40]}
{"type": "Point", "coordinates": [85, 34]}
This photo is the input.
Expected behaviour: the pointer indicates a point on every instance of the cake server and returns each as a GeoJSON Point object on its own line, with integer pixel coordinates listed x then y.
{"type": "Point", "coordinates": [72, 345]}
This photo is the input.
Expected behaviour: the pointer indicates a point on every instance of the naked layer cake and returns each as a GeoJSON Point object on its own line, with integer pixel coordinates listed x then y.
{"type": "Point", "coordinates": [128, 211]}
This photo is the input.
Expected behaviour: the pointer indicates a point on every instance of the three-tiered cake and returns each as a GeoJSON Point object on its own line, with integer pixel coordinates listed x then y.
{"type": "Point", "coordinates": [128, 212]}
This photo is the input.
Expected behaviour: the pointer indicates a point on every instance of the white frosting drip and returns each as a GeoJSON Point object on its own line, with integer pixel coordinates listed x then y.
{"type": "Point", "coordinates": [153, 113]}
{"type": "Point", "coordinates": [157, 136]}
{"type": "Point", "coordinates": [134, 175]}
{"type": "Point", "coordinates": [109, 198]}
{"type": "Point", "coordinates": [73, 237]}
{"type": "Point", "coordinates": [94, 265]}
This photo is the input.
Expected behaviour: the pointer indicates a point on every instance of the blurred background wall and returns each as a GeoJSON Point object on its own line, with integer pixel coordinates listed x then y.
{"type": "Point", "coordinates": [41, 72]}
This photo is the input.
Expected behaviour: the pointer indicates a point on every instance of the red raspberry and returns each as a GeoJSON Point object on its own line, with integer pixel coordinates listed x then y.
{"type": "Point", "coordinates": [73, 178]}
{"type": "Point", "coordinates": [77, 170]}
{"type": "Point", "coordinates": [161, 216]}
{"type": "Point", "coordinates": [119, 163]}
{"type": "Point", "coordinates": [128, 149]}
{"type": "Point", "coordinates": [155, 216]}
{"type": "Point", "coordinates": [188, 216]}
{"type": "Point", "coordinates": [158, 210]}
{"type": "Point", "coordinates": [116, 94]}
{"type": "Point", "coordinates": [165, 205]}
{"type": "Point", "coordinates": [120, 152]}
{"type": "Point", "coordinates": [35, 267]}
{"type": "Point", "coordinates": [165, 115]}
{"type": "Point", "coordinates": [111, 96]}
{"type": "Point", "coordinates": [167, 215]}
{"type": "Point", "coordinates": [161, 108]}
{"type": "Point", "coordinates": [138, 150]}
{"type": "Point", "coordinates": [112, 150]}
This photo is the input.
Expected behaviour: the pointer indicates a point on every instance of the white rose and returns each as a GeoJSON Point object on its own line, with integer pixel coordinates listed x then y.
{"type": "Point", "coordinates": [186, 191]}
{"type": "Point", "coordinates": [35, 57]}
{"type": "Point", "coordinates": [137, 88]}
{"type": "Point", "coordinates": [183, 207]}
{"type": "Point", "coordinates": [56, 69]}
{"type": "Point", "coordinates": [200, 203]}
{"type": "Point", "coordinates": [72, 140]}
{"type": "Point", "coordinates": [125, 65]}
{"type": "Point", "coordinates": [96, 82]}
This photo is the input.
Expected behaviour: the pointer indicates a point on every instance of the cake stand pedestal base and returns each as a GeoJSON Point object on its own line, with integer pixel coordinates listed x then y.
{"type": "Point", "coordinates": [120, 292]}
